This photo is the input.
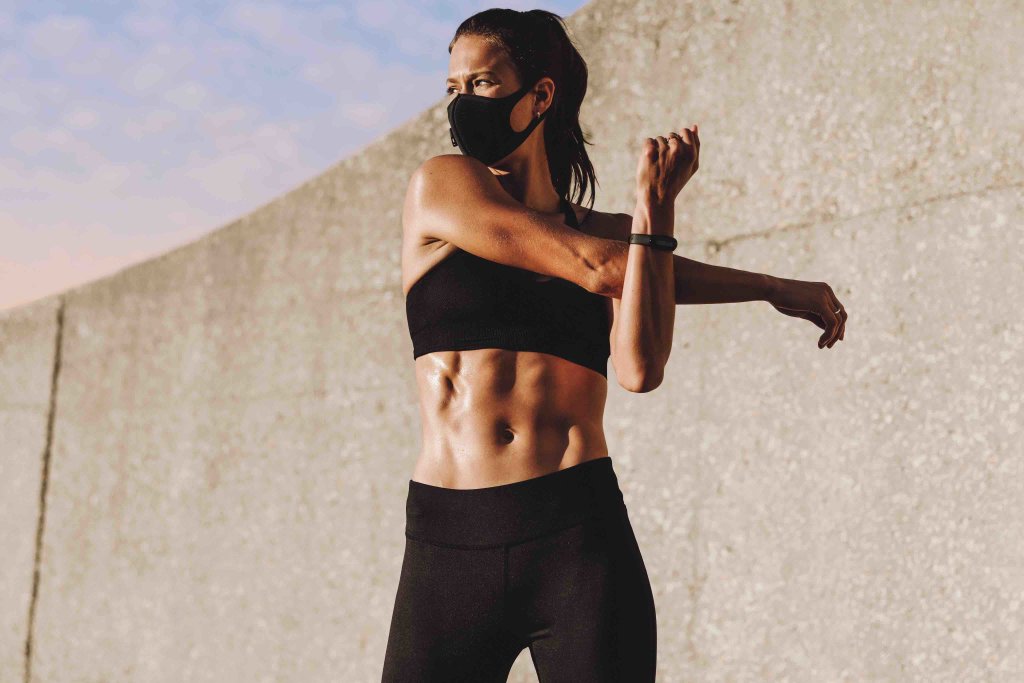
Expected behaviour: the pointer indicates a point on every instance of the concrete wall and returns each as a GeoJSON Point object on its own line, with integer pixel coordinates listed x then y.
{"type": "Point", "coordinates": [222, 436]}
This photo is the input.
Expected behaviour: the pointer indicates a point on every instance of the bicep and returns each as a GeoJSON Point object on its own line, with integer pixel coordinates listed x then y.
{"type": "Point", "coordinates": [458, 200]}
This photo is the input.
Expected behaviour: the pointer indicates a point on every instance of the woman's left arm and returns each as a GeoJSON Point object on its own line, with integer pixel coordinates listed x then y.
{"type": "Point", "coordinates": [703, 283]}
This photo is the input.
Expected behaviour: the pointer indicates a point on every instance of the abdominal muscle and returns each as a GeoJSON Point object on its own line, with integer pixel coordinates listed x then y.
{"type": "Point", "coordinates": [493, 416]}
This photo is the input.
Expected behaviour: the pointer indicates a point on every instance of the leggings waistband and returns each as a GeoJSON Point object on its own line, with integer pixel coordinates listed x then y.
{"type": "Point", "coordinates": [510, 513]}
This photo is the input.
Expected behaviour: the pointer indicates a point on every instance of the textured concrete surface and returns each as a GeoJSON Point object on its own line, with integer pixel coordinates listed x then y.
{"type": "Point", "coordinates": [235, 421]}
{"type": "Point", "coordinates": [28, 354]}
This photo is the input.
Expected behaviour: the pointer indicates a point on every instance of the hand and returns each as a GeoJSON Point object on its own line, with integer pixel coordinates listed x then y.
{"type": "Point", "coordinates": [666, 164]}
{"type": "Point", "coordinates": [814, 301]}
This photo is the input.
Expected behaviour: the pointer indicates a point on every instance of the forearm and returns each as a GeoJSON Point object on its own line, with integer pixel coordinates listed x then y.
{"type": "Point", "coordinates": [646, 316]}
{"type": "Point", "coordinates": [704, 283]}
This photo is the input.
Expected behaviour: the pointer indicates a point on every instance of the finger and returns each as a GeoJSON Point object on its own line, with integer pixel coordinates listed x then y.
{"type": "Point", "coordinates": [836, 329]}
{"type": "Point", "coordinates": [662, 142]}
{"type": "Point", "coordinates": [651, 148]}
{"type": "Point", "coordinates": [841, 316]}
{"type": "Point", "coordinates": [674, 140]}
{"type": "Point", "coordinates": [833, 325]}
{"type": "Point", "coordinates": [835, 337]}
{"type": "Point", "coordinates": [833, 331]}
{"type": "Point", "coordinates": [695, 144]}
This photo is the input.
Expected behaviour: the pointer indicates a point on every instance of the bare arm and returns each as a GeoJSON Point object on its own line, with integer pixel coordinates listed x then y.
{"type": "Point", "coordinates": [455, 198]}
{"type": "Point", "coordinates": [704, 283]}
{"type": "Point", "coordinates": [644, 317]}
{"type": "Point", "coordinates": [695, 282]}
{"type": "Point", "coordinates": [644, 312]}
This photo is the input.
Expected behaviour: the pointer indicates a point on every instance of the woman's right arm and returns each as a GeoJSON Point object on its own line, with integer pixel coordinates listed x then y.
{"type": "Point", "coordinates": [644, 319]}
{"type": "Point", "coordinates": [457, 199]}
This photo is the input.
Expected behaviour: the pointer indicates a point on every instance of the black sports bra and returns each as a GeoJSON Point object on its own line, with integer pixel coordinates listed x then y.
{"type": "Point", "coordinates": [468, 302]}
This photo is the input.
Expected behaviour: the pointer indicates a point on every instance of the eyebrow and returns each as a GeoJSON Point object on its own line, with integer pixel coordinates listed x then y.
{"type": "Point", "coordinates": [475, 73]}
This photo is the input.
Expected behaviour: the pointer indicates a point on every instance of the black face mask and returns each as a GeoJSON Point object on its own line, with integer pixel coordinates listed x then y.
{"type": "Point", "coordinates": [480, 125]}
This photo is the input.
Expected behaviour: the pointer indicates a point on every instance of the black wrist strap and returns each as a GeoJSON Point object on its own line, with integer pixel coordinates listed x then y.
{"type": "Point", "coordinates": [663, 242]}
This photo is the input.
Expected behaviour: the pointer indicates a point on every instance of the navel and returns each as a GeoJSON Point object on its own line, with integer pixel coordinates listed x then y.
{"type": "Point", "coordinates": [505, 433]}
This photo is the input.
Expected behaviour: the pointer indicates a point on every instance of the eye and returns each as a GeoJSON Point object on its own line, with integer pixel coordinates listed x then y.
{"type": "Point", "coordinates": [448, 90]}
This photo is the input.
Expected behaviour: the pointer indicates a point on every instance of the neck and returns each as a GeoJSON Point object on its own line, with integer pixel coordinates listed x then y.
{"type": "Point", "coordinates": [525, 176]}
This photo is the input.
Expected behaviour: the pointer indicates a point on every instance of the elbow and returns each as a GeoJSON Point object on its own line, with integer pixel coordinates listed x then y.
{"type": "Point", "coordinates": [642, 381]}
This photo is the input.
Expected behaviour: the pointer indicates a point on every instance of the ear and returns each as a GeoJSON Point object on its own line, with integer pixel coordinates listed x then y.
{"type": "Point", "coordinates": [543, 95]}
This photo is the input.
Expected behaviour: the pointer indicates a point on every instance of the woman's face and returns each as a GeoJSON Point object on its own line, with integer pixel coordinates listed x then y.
{"type": "Point", "coordinates": [477, 67]}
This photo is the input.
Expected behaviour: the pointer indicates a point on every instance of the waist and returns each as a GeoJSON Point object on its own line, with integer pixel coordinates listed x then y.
{"type": "Point", "coordinates": [513, 512]}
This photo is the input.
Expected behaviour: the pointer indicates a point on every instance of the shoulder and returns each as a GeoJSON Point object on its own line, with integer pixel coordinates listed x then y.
{"type": "Point", "coordinates": [435, 182]}
{"type": "Point", "coordinates": [449, 169]}
{"type": "Point", "coordinates": [442, 177]}
{"type": "Point", "coordinates": [441, 161]}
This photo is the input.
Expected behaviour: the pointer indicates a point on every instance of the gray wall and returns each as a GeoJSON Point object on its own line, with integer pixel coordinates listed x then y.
{"type": "Point", "coordinates": [234, 423]}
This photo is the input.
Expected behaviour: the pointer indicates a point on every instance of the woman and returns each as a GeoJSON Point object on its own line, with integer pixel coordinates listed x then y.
{"type": "Point", "coordinates": [516, 531]}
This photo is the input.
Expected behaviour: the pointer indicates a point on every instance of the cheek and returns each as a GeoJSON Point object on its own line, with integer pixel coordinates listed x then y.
{"type": "Point", "coordinates": [522, 114]}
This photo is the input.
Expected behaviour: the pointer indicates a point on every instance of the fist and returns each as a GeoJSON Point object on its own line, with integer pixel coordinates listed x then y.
{"type": "Point", "coordinates": [666, 164]}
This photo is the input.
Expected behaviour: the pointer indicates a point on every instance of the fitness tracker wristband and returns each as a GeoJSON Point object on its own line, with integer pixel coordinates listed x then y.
{"type": "Point", "coordinates": [663, 242]}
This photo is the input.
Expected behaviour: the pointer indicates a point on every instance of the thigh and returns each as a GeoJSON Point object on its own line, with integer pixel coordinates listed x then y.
{"type": "Point", "coordinates": [595, 617]}
{"type": "Point", "coordinates": [447, 622]}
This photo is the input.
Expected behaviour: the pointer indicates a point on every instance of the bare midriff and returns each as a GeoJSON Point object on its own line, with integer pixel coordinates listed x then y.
{"type": "Point", "coordinates": [493, 416]}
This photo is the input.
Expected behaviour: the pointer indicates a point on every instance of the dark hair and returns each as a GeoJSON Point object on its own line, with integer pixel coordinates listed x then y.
{"type": "Point", "coordinates": [538, 44]}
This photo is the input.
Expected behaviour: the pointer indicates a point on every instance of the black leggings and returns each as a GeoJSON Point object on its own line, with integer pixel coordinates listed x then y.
{"type": "Point", "coordinates": [549, 563]}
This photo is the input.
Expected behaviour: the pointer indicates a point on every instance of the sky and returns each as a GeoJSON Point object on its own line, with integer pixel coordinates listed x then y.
{"type": "Point", "coordinates": [131, 128]}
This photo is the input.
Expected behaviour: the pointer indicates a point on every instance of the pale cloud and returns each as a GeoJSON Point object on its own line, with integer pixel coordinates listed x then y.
{"type": "Point", "coordinates": [227, 118]}
{"type": "Point", "coordinates": [231, 176]}
{"type": "Point", "coordinates": [13, 103]}
{"type": "Point", "coordinates": [289, 29]}
{"type": "Point", "coordinates": [11, 62]}
{"type": "Point", "coordinates": [377, 14]}
{"type": "Point", "coordinates": [363, 114]}
{"type": "Point", "coordinates": [96, 59]}
{"type": "Point", "coordinates": [81, 118]}
{"type": "Point", "coordinates": [189, 95]}
{"type": "Point", "coordinates": [153, 121]}
{"type": "Point", "coordinates": [32, 140]}
{"type": "Point", "coordinates": [144, 76]}
{"type": "Point", "coordinates": [147, 25]}
{"type": "Point", "coordinates": [160, 66]}
{"type": "Point", "coordinates": [59, 35]}
{"type": "Point", "coordinates": [411, 27]}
